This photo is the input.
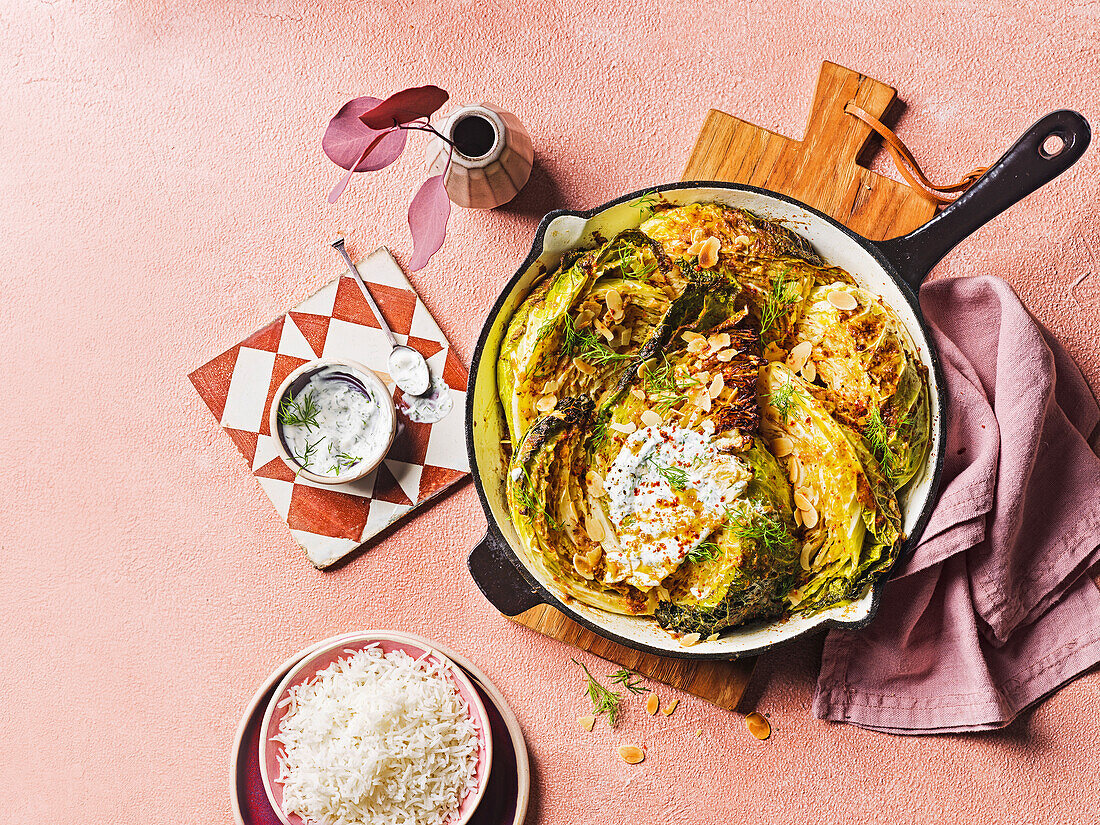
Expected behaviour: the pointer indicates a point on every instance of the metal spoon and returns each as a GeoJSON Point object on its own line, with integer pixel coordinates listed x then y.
{"type": "Point", "coordinates": [407, 367]}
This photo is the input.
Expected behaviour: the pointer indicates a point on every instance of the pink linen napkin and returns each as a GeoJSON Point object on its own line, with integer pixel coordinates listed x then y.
{"type": "Point", "coordinates": [995, 609]}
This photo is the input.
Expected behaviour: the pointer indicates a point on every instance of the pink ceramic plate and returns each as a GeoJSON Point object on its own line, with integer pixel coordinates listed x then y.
{"type": "Point", "coordinates": [257, 732]}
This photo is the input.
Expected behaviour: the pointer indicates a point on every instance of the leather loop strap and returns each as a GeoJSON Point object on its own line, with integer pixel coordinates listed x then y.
{"type": "Point", "coordinates": [907, 165]}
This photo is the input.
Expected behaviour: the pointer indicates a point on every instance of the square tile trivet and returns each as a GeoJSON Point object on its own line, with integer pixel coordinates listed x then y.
{"type": "Point", "coordinates": [335, 322]}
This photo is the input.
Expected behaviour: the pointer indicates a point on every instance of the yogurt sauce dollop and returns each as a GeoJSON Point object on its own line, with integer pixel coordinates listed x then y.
{"type": "Point", "coordinates": [330, 427]}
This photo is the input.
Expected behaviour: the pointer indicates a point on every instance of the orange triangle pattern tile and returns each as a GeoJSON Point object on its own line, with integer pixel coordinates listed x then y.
{"type": "Point", "coordinates": [314, 329]}
{"type": "Point", "coordinates": [284, 366]}
{"type": "Point", "coordinates": [386, 488]}
{"type": "Point", "coordinates": [212, 380]}
{"type": "Point", "coordinates": [328, 512]}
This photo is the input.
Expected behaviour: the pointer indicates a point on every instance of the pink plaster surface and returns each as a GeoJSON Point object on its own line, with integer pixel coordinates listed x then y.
{"type": "Point", "coordinates": [164, 195]}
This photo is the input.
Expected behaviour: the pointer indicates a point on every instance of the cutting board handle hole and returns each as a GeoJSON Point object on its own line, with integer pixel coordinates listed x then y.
{"type": "Point", "coordinates": [1052, 145]}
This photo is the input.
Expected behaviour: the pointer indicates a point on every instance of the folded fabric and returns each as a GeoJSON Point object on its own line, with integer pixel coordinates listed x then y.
{"type": "Point", "coordinates": [995, 608]}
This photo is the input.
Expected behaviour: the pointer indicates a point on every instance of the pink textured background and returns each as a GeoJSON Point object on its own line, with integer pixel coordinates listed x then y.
{"type": "Point", "coordinates": [163, 194]}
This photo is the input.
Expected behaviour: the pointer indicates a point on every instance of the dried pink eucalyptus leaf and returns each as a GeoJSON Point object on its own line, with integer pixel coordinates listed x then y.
{"type": "Point", "coordinates": [347, 137]}
{"type": "Point", "coordinates": [405, 106]}
{"type": "Point", "coordinates": [428, 214]}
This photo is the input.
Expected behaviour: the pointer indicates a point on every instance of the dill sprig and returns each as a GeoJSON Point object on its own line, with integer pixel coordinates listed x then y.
{"type": "Point", "coordinates": [630, 681]}
{"type": "Point", "coordinates": [342, 460]}
{"type": "Point", "coordinates": [531, 504]}
{"type": "Point", "coordinates": [604, 702]}
{"type": "Point", "coordinates": [667, 384]}
{"type": "Point", "coordinates": [878, 435]}
{"type": "Point", "coordinates": [632, 264]}
{"type": "Point", "coordinates": [307, 453]}
{"type": "Point", "coordinates": [587, 346]}
{"type": "Point", "coordinates": [647, 202]}
{"type": "Point", "coordinates": [763, 528]}
{"type": "Point", "coordinates": [704, 551]}
{"type": "Point", "coordinates": [598, 433]}
{"type": "Point", "coordinates": [776, 301]}
{"type": "Point", "coordinates": [786, 396]}
{"type": "Point", "coordinates": [676, 477]}
{"type": "Point", "coordinates": [299, 413]}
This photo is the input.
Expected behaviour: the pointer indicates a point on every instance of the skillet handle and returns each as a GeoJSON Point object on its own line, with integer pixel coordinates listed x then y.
{"type": "Point", "coordinates": [496, 576]}
{"type": "Point", "coordinates": [1024, 168]}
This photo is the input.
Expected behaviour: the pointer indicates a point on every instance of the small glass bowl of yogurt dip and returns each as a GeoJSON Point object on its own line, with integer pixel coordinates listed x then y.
{"type": "Point", "coordinates": [333, 421]}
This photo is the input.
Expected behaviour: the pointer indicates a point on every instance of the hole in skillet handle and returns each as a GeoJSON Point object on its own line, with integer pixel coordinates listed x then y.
{"type": "Point", "coordinates": [1043, 152]}
{"type": "Point", "coordinates": [1052, 145]}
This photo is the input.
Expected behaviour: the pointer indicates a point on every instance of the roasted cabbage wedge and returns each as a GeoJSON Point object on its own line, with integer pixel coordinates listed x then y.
{"type": "Point", "coordinates": [708, 424]}
{"type": "Point", "coordinates": [855, 521]}
{"type": "Point", "coordinates": [869, 374]}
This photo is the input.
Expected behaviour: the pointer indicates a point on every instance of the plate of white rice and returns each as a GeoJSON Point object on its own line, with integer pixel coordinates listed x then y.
{"type": "Point", "coordinates": [377, 729]}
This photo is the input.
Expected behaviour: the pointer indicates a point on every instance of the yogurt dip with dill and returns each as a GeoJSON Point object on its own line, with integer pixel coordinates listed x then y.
{"type": "Point", "coordinates": [329, 426]}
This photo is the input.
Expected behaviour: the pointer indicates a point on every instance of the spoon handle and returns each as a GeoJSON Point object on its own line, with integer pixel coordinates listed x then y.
{"type": "Point", "coordinates": [338, 245]}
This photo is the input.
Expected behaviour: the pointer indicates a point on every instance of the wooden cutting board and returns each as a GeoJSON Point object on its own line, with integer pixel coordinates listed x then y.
{"type": "Point", "coordinates": [821, 170]}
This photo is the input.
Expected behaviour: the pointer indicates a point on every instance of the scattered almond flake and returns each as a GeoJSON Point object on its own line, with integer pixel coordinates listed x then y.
{"type": "Point", "coordinates": [583, 568]}
{"type": "Point", "coordinates": [719, 341]}
{"type": "Point", "coordinates": [637, 393]}
{"type": "Point", "coordinates": [613, 299]}
{"type": "Point", "coordinates": [701, 399]}
{"type": "Point", "coordinates": [758, 725]}
{"type": "Point", "coordinates": [809, 372]}
{"type": "Point", "coordinates": [584, 318]}
{"type": "Point", "coordinates": [725, 443]}
{"type": "Point", "coordinates": [551, 386]}
{"type": "Point", "coordinates": [726, 355]}
{"type": "Point", "coordinates": [625, 429]}
{"type": "Point", "coordinates": [712, 637]}
{"type": "Point", "coordinates": [690, 639]}
{"type": "Point", "coordinates": [708, 255]}
{"type": "Point", "coordinates": [809, 517]}
{"type": "Point", "coordinates": [695, 248]}
{"type": "Point", "coordinates": [631, 754]}
{"type": "Point", "coordinates": [594, 528]}
{"type": "Point", "coordinates": [670, 707]}
{"type": "Point", "coordinates": [652, 704]}
{"type": "Point", "coordinates": [690, 336]}
{"type": "Point", "coordinates": [595, 482]}
{"type": "Point", "coordinates": [617, 316]}
{"type": "Point", "coordinates": [716, 386]}
{"type": "Point", "coordinates": [842, 299]}
{"type": "Point", "coordinates": [742, 240]}
{"type": "Point", "coordinates": [698, 234]}
{"type": "Point", "coordinates": [586, 722]}
{"type": "Point", "coordinates": [546, 403]}
{"type": "Point", "coordinates": [584, 366]}
{"type": "Point", "coordinates": [798, 517]}
{"type": "Point", "coordinates": [697, 345]}
{"type": "Point", "coordinates": [782, 447]}
{"type": "Point", "coordinates": [602, 329]}
{"type": "Point", "coordinates": [651, 418]}
{"type": "Point", "coordinates": [796, 358]}
{"type": "Point", "coordinates": [801, 501]}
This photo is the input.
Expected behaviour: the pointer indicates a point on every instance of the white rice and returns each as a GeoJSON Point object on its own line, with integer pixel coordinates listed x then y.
{"type": "Point", "coordinates": [377, 738]}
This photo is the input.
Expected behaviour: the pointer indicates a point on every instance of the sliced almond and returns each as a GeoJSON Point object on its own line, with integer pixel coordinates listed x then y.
{"type": "Point", "coordinates": [617, 316]}
{"type": "Point", "coordinates": [631, 754]}
{"type": "Point", "coordinates": [583, 567]}
{"type": "Point", "coordinates": [782, 447]}
{"type": "Point", "coordinates": [716, 386]}
{"type": "Point", "coordinates": [801, 501]}
{"type": "Point", "coordinates": [809, 517]}
{"type": "Point", "coordinates": [697, 345]}
{"type": "Point", "coordinates": [742, 240]}
{"type": "Point", "coordinates": [625, 429]}
{"type": "Point", "coordinates": [690, 336]}
{"type": "Point", "coordinates": [652, 703]}
{"type": "Point", "coordinates": [726, 355]}
{"type": "Point", "coordinates": [698, 234]}
{"type": "Point", "coordinates": [708, 255]}
{"type": "Point", "coordinates": [613, 300]}
{"type": "Point", "coordinates": [758, 725]}
{"type": "Point", "coordinates": [809, 372]}
{"type": "Point", "coordinates": [690, 639]}
{"type": "Point", "coordinates": [796, 358]}
{"type": "Point", "coordinates": [602, 329]}
{"type": "Point", "coordinates": [842, 299]}
{"type": "Point", "coordinates": [651, 418]}
{"type": "Point", "coordinates": [551, 386]}
{"type": "Point", "coordinates": [671, 706]}
{"type": "Point", "coordinates": [719, 341]}
{"type": "Point", "coordinates": [638, 393]}
{"type": "Point", "coordinates": [595, 483]}
{"type": "Point", "coordinates": [586, 722]}
{"type": "Point", "coordinates": [695, 248]}
{"type": "Point", "coordinates": [584, 366]}
{"type": "Point", "coordinates": [798, 521]}
{"type": "Point", "coordinates": [701, 399]}
{"type": "Point", "coordinates": [594, 529]}
{"type": "Point", "coordinates": [546, 403]}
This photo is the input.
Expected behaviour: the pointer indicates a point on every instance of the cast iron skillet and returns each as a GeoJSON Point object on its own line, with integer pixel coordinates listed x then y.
{"type": "Point", "coordinates": [894, 269]}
